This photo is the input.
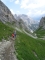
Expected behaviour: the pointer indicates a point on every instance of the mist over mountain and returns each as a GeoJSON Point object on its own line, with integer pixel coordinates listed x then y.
{"type": "Point", "coordinates": [29, 22]}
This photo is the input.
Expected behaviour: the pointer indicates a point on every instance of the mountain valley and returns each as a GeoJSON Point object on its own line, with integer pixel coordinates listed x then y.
{"type": "Point", "coordinates": [29, 43]}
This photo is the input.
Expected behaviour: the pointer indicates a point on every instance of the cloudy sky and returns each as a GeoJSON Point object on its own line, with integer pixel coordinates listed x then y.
{"type": "Point", "coordinates": [34, 8]}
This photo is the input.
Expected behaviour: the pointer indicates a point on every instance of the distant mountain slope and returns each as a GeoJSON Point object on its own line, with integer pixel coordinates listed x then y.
{"type": "Point", "coordinates": [42, 23]}
{"type": "Point", "coordinates": [41, 30]}
{"type": "Point", "coordinates": [29, 22]}
{"type": "Point", "coordinates": [40, 33]}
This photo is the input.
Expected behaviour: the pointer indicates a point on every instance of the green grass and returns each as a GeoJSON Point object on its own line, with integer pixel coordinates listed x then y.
{"type": "Point", "coordinates": [26, 46]}
{"type": "Point", "coordinates": [5, 31]}
{"type": "Point", "coordinates": [40, 33]}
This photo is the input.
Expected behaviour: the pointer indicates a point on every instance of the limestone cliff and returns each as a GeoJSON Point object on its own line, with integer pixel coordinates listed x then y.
{"type": "Point", "coordinates": [5, 13]}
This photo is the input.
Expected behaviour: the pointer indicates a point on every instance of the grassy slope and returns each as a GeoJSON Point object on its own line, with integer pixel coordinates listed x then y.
{"type": "Point", "coordinates": [25, 45]}
{"type": "Point", "coordinates": [40, 32]}
{"type": "Point", "coordinates": [5, 31]}
{"type": "Point", "coordinates": [28, 47]}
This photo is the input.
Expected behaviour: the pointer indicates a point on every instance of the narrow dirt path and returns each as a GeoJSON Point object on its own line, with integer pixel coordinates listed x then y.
{"type": "Point", "coordinates": [7, 50]}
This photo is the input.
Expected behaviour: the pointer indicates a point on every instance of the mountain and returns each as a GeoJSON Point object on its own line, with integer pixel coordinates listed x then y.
{"type": "Point", "coordinates": [19, 21]}
{"type": "Point", "coordinates": [7, 17]}
{"type": "Point", "coordinates": [42, 23]}
{"type": "Point", "coordinates": [5, 13]}
{"type": "Point", "coordinates": [26, 19]}
{"type": "Point", "coordinates": [29, 22]}
{"type": "Point", "coordinates": [41, 29]}
{"type": "Point", "coordinates": [26, 47]}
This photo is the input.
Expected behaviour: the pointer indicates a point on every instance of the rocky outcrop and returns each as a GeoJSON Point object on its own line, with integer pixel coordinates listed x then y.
{"type": "Point", "coordinates": [42, 23]}
{"type": "Point", "coordinates": [7, 50]}
{"type": "Point", "coordinates": [5, 13]}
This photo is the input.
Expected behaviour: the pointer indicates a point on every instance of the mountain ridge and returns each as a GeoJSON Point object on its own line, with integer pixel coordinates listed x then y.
{"type": "Point", "coordinates": [29, 22]}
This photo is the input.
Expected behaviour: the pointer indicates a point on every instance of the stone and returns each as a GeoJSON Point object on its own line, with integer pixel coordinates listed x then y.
{"type": "Point", "coordinates": [42, 23]}
{"type": "Point", "coordinates": [7, 51]}
{"type": "Point", "coordinates": [5, 13]}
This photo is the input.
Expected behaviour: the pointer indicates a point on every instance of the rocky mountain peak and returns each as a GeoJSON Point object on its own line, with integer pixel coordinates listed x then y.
{"type": "Point", "coordinates": [42, 23]}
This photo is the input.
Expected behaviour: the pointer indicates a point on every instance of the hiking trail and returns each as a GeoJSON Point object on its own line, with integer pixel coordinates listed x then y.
{"type": "Point", "coordinates": [7, 50]}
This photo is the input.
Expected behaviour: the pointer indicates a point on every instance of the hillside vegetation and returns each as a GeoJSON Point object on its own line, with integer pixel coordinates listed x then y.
{"type": "Point", "coordinates": [40, 33]}
{"type": "Point", "coordinates": [5, 31]}
{"type": "Point", "coordinates": [27, 48]}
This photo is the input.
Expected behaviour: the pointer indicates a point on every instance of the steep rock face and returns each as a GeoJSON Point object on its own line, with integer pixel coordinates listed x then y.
{"type": "Point", "coordinates": [28, 21]}
{"type": "Point", "coordinates": [42, 23]}
{"type": "Point", "coordinates": [5, 13]}
{"type": "Point", "coordinates": [21, 25]}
